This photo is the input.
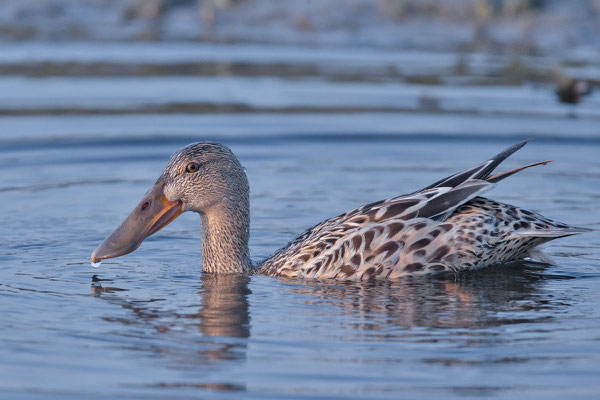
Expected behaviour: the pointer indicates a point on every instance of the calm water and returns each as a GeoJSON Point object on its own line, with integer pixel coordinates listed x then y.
{"type": "Point", "coordinates": [79, 148]}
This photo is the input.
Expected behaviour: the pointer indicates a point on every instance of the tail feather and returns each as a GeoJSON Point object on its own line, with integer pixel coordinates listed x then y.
{"type": "Point", "coordinates": [505, 174]}
{"type": "Point", "coordinates": [551, 233]}
{"type": "Point", "coordinates": [481, 171]}
{"type": "Point", "coordinates": [545, 235]}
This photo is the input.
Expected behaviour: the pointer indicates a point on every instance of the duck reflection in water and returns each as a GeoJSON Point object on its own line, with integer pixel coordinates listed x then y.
{"type": "Point", "coordinates": [501, 295]}
{"type": "Point", "coordinates": [224, 310]}
{"type": "Point", "coordinates": [465, 307]}
{"type": "Point", "coordinates": [223, 313]}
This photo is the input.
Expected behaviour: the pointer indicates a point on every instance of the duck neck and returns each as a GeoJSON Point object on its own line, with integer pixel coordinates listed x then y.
{"type": "Point", "coordinates": [225, 234]}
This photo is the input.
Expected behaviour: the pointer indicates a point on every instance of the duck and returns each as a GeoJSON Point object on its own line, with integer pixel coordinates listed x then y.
{"type": "Point", "coordinates": [571, 91]}
{"type": "Point", "coordinates": [446, 227]}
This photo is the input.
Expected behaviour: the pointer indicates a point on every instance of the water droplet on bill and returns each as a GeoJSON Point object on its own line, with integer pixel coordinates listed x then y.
{"type": "Point", "coordinates": [96, 264]}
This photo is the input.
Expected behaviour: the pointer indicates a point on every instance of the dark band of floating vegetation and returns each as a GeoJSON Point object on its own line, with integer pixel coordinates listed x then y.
{"type": "Point", "coordinates": [245, 69]}
{"type": "Point", "coordinates": [238, 108]}
{"type": "Point", "coordinates": [513, 72]}
{"type": "Point", "coordinates": [202, 108]}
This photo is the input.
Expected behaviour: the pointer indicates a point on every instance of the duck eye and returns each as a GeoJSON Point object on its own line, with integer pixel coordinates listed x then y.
{"type": "Point", "coordinates": [192, 167]}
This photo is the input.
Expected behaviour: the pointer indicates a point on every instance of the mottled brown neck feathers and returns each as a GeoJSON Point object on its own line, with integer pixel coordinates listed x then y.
{"type": "Point", "coordinates": [225, 234]}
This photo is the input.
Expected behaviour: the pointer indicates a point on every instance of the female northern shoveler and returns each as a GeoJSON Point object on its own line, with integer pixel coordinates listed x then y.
{"type": "Point", "coordinates": [445, 227]}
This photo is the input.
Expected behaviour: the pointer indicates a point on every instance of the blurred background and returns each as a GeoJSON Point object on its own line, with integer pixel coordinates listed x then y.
{"type": "Point", "coordinates": [515, 58]}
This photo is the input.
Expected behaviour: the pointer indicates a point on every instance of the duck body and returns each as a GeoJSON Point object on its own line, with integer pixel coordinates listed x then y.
{"type": "Point", "coordinates": [442, 228]}
{"type": "Point", "coordinates": [364, 244]}
{"type": "Point", "coordinates": [571, 91]}
{"type": "Point", "coordinates": [446, 227]}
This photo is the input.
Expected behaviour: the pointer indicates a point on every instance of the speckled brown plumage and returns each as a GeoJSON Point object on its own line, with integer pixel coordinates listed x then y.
{"type": "Point", "coordinates": [446, 227]}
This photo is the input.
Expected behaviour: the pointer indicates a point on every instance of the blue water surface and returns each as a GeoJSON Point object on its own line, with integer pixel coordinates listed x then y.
{"type": "Point", "coordinates": [77, 152]}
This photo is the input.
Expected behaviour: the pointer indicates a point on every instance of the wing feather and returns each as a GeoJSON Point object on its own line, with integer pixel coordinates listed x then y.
{"type": "Point", "coordinates": [481, 171]}
{"type": "Point", "coordinates": [447, 202]}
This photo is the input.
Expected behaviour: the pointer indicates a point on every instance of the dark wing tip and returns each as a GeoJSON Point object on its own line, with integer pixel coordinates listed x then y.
{"type": "Point", "coordinates": [481, 171]}
{"type": "Point", "coordinates": [512, 149]}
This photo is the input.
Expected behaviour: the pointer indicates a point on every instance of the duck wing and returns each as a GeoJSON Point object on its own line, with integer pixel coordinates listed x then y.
{"type": "Point", "coordinates": [318, 250]}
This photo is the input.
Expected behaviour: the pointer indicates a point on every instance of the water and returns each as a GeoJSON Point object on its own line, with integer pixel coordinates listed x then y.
{"type": "Point", "coordinates": [78, 152]}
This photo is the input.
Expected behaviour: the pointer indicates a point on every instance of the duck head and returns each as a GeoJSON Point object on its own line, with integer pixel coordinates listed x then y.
{"type": "Point", "coordinates": [200, 177]}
